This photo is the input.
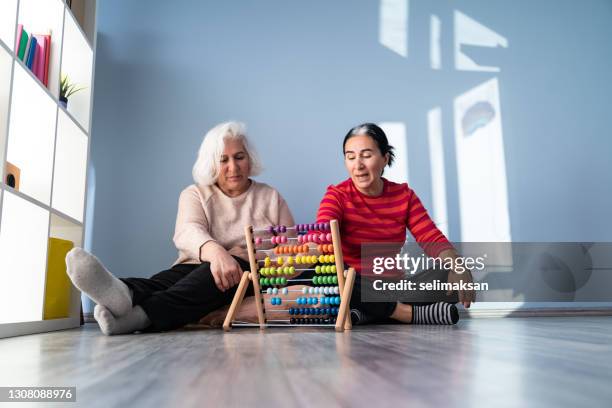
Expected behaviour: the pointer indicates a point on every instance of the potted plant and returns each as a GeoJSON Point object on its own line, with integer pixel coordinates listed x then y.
{"type": "Point", "coordinates": [67, 88]}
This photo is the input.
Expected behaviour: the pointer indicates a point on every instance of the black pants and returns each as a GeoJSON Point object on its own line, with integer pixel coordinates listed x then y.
{"type": "Point", "coordinates": [180, 295]}
{"type": "Point", "coordinates": [380, 312]}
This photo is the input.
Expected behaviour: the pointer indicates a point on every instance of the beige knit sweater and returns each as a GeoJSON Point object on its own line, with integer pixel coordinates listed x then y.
{"type": "Point", "coordinates": [205, 213]}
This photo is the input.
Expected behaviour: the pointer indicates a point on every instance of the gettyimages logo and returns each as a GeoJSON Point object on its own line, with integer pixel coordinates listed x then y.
{"type": "Point", "coordinates": [411, 265]}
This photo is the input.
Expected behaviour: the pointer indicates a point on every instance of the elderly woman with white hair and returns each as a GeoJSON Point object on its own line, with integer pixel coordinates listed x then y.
{"type": "Point", "coordinates": [209, 236]}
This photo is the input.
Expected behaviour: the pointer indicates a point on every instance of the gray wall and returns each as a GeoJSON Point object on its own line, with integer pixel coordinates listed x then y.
{"type": "Point", "coordinates": [301, 73]}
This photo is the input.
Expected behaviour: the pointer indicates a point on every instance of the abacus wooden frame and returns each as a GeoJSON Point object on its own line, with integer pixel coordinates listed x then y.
{"type": "Point", "coordinates": [343, 321]}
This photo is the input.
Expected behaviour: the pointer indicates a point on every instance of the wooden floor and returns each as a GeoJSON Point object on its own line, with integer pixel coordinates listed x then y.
{"type": "Point", "coordinates": [512, 362]}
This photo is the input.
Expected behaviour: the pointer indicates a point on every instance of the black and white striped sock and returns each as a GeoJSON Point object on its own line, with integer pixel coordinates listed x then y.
{"type": "Point", "coordinates": [437, 313]}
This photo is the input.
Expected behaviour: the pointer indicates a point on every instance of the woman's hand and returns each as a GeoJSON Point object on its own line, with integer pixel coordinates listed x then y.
{"type": "Point", "coordinates": [224, 268]}
{"type": "Point", "coordinates": [466, 297]}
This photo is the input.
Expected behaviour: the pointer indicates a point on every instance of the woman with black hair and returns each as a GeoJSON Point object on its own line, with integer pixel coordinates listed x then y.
{"type": "Point", "coordinates": [372, 209]}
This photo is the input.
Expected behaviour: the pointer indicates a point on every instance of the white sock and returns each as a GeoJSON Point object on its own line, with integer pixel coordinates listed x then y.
{"type": "Point", "coordinates": [90, 276]}
{"type": "Point", "coordinates": [136, 319]}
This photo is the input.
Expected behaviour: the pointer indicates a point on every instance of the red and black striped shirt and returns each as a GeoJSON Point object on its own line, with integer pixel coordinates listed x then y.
{"type": "Point", "coordinates": [380, 219]}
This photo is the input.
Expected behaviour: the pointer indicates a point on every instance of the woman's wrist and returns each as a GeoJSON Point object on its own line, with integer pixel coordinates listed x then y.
{"type": "Point", "coordinates": [210, 250]}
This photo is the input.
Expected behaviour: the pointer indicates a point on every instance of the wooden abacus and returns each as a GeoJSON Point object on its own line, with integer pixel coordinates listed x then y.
{"type": "Point", "coordinates": [328, 266]}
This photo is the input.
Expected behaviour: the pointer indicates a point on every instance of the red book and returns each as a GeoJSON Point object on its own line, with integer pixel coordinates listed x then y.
{"type": "Point", "coordinates": [47, 55]}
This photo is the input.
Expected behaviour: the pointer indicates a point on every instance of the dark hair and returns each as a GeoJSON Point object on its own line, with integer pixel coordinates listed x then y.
{"type": "Point", "coordinates": [377, 134]}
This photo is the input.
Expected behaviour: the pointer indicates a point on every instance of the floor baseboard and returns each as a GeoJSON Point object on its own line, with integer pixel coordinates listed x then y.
{"type": "Point", "coordinates": [490, 313]}
{"type": "Point", "coordinates": [536, 312]}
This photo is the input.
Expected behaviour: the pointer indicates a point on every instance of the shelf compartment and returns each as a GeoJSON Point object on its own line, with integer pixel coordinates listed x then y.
{"type": "Point", "coordinates": [40, 17]}
{"type": "Point", "coordinates": [77, 64]}
{"type": "Point", "coordinates": [31, 135]}
{"type": "Point", "coordinates": [8, 13]}
{"type": "Point", "coordinates": [6, 62]}
{"type": "Point", "coordinates": [23, 254]}
{"type": "Point", "coordinates": [63, 236]}
{"type": "Point", "coordinates": [70, 168]}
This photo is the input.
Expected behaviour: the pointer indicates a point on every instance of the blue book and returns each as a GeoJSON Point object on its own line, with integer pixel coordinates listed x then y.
{"type": "Point", "coordinates": [31, 54]}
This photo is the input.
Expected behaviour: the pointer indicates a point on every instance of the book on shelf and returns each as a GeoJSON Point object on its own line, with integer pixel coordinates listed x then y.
{"type": "Point", "coordinates": [41, 58]}
{"type": "Point", "coordinates": [35, 51]}
{"type": "Point", "coordinates": [22, 42]}
{"type": "Point", "coordinates": [26, 49]}
{"type": "Point", "coordinates": [47, 56]}
{"type": "Point", "coordinates": [31, 52]}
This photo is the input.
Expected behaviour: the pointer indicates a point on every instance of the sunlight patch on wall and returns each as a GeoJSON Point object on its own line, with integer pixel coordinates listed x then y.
{"type": "Point", "coordinates": [472, 33]}
{"type": "Point", "coordinates": [435, 51]}
{"type": "Point", "coordinates": [396, 133]}
{"type": "Point", "coordinates": [393, 27]}
{"type": "Point", "coordinates": [436, 162]}
{"type": "Point", "coordinates": [481, 165]}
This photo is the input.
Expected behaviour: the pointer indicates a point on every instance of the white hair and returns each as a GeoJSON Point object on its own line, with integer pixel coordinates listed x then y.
{"type": "Point", "coordinates": [206, 168]}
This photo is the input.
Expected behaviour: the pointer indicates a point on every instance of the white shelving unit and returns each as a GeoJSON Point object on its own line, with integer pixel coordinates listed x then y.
{"type": "Point", "coordinates": [49, 145]}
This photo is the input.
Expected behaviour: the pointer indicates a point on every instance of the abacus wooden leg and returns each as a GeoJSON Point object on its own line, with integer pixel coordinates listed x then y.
{"type": "Point", "coordinates": [254, 276]}
{"type": "Point", "coordinates": [346, 301]}
{"type": "Point", "coordinates": [348, 325]}
{"type": "Point", "coordinates": [258, 301]}
{"type": "Point", "coordinates": [237, 301]}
